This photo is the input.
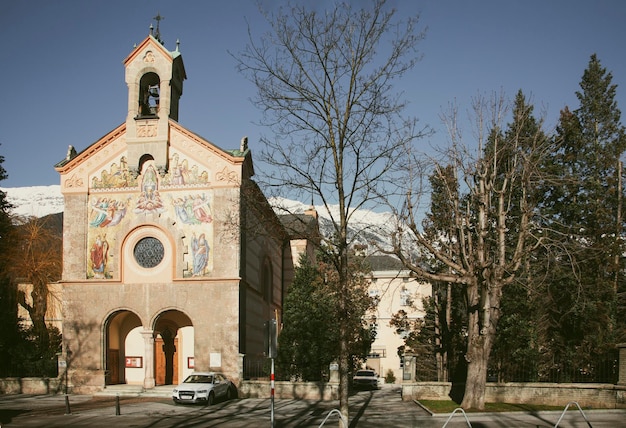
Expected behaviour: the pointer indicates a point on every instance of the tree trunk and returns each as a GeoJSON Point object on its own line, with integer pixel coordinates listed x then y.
{"type": "Point", "coordinates": [344, 380]}
{"type": "Point", "coordinates": [482, 324]}
{"type": "Point", "coordinates": [38, 314]}
{"type": "Point", "coordinates": [477, 361]}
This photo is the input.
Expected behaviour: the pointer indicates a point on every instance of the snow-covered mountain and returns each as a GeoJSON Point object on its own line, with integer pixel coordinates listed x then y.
{"type": "Point", "coordinates": [40, 201]}
{"type": "Point", "coordinates": [37, 201]}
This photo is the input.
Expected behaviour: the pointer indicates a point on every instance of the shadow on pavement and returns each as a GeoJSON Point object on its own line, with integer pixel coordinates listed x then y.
{"type": "Point", "coordinates": [7, 415]}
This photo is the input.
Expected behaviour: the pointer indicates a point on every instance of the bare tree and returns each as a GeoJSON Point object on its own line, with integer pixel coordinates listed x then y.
{"type": "Point", "coordinates": [36, 259]}
{"type": "Point", "coordinates": [325, 87]}
{"type": "Point", "coordinates": [490, 229]}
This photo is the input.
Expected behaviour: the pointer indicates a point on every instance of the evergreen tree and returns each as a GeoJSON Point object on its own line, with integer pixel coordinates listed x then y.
{"type": "Point", "coordinates": [582, 214]}
{"type": "Point", "coordinates": [493, 227]}
{"type": "Point", "coordinates": [446, 308]}
{"type": "Point", "coordinates": [309, 340]}
{"type": "Point", "coordinates": [515, 344]}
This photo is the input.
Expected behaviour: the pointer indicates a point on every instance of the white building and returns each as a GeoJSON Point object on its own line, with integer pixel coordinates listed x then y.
{"type": "Point", "coordinates": [394, 290]}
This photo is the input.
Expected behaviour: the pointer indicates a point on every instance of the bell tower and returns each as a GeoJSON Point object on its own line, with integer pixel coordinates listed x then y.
{"type": "Point", "coordinates": [154, 76]}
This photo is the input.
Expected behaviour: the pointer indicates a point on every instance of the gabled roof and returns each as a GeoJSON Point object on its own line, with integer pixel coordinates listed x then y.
{"type": "Point", "coordinates": [151, 40]}
{"type": "Point", "coordinates": [300, 226]}
{"type": "Point", "coordinates": [233, 156]}
{"type": "Point", "coordinates": [74, 158]}
{"type": "Point", "coordinates": [384, 262]}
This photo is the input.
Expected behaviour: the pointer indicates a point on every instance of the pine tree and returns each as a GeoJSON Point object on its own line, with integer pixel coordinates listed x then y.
{"type": "Point", "coordinates": [582, 213]}
{"type": "Point", "coordinates": [309, 340]}
{"type": "Point", "coordinates": [515, 344]}
{"type": "Point", "coordinates": [493, 226]}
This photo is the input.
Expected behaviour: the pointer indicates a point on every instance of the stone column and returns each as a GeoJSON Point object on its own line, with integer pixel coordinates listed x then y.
{"type": "Point", "coordinates": [408, 371]}
{"type": "Point", "coordinates": [334, 373]}
{"type": "Point", "coordinates": [240, 368]}
{"type": "Point", "coordinates": [148, 338]}
{"type": "Point", "coordinates": [621, 380]}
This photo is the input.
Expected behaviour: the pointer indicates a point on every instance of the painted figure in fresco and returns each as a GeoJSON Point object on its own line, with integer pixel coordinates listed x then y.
{"type": "Point", "coordinates": [149, 182]}
{"type": "Point", "coordinates": [150, 199]}
{"type": "Point", "coordinates": [108, 212]}
{"type": "Point", "coordinates": [193, 209]}
{"type": "Point", "coordinates": [201, 210]}
{"type": "Point", "coordinates": [200, 252]}
{"type": "Point", "coordinates": [181, 173]}
{"type": "Point", "coordinates": [175, 168]}
{"type": "Point", "coordinates": [116, 176]}
{"type": "Point", "coordinates": [182, 212]}
{"type": "Point", "coordinates": [100, 207]}
{"type": "Point", "coordinates": [99, 256]}
{"type": "Point", "coordinates": [115, 214]}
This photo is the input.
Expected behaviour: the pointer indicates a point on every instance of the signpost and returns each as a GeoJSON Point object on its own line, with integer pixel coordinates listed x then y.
{"type": "Point", "coordinates": [271, 345]}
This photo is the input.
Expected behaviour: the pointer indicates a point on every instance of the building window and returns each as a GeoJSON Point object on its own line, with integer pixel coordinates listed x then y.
{"type": "Point", "coordinates": [377, 353]}
{"type": "Point", "coordinates": [148, 252]}
{"type": "Point", "coordinates": [405, 297]}
{"type": "Point", "coordinates": [375, 296]}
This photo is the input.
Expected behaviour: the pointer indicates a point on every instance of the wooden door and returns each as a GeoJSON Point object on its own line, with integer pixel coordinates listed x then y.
{"type": "Point", "coordinates": [113, 367]}
{"type": "Point", "coordinates": [161, 363]}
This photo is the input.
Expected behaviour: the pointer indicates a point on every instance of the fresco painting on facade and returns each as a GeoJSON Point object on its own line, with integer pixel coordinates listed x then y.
{"type": "Point", "coordinates": [107, 212]}
{"type": "Point", "coordinates": [149, 200]}
{"type": "Point", "coordinates": [117, 176]}
{"type": "Point", "coordinates": [180, 173]}
{"type": "Point", "coordinates": [200, 253]}
{"type": "Point", "coordinates": [192, 211]}
{"type": "Point", "coordinates": [99, 257]}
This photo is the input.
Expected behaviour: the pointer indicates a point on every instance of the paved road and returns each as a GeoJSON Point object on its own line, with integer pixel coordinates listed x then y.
{"type": "Point", "coordinates": [383, 408]}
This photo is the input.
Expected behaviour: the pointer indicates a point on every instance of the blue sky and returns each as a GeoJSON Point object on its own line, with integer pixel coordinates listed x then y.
{"type": "Point", "coordinates": [63, 78]}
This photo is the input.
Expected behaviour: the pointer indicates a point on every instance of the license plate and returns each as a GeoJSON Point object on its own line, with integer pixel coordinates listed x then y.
{"type": "Point", "coordinates": [186, 397]}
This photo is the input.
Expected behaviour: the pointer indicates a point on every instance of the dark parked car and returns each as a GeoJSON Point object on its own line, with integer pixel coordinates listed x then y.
{"type": "Point", "coordinates": [365, 379]}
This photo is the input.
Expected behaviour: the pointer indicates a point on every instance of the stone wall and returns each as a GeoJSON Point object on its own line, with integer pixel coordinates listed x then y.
{"type": "Point", "coordinates": [30, 385]}
{"type": "Point", "coordinates": [289, 390]}
{"type": "Point", "coordinates": [599, 396]}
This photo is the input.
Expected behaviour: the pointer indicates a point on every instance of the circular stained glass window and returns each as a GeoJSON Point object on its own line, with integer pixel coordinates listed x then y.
{"type": "Point", "coordinates": [148, 252]}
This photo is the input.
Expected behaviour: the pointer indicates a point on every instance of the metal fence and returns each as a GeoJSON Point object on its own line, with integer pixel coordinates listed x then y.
{"type": "Point", "coordinates": [256, 367]}
{"type": "Point", "coordinates": [603, 369]}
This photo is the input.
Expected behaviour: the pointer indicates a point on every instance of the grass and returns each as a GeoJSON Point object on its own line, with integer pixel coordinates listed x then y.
{"type": "Point", "coordinates": [448, 406]}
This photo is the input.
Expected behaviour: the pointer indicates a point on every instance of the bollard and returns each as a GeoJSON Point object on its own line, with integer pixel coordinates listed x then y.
{"type": "Point", "coordinates": [67, 405]}
{"type": "Point", "coordinates": [117, 405]}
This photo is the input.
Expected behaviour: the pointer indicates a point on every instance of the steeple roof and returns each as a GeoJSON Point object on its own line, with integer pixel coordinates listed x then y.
{"type": "Point", "coordinates": [157, 44]}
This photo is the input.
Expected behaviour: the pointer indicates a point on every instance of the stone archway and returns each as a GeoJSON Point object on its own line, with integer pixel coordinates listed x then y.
{"type": "Point", "coordinates": [173, 347]}
{"type": "Point", "coordinates": [118, 326]}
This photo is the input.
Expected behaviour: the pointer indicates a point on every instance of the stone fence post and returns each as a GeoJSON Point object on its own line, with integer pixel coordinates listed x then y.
{"type": "Point", "coordinates": [409, 369]}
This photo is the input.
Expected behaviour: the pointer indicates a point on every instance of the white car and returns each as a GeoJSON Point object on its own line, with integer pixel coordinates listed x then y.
{"type": "Point", "coordinates": [365, 379]}
{"type": "Point", "coordinates": [203, 388]}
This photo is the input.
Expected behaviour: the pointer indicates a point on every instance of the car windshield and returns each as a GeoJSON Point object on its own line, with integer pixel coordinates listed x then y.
{"type": "Point", "coordinates": [199, 379]}
{"type": "Point", "coordinates": [365, 373]}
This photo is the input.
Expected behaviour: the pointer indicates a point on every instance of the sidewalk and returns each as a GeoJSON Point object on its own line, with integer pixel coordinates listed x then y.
{"type": "Point", "coordinates": [383, 408]}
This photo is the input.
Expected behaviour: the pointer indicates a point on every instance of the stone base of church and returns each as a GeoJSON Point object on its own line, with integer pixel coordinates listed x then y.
{"type": "Point", "coordinates": [83, 381]}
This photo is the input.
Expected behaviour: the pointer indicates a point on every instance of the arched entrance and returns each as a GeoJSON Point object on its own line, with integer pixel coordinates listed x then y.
{"type": "Point", "coordinates": [117, 329]}
{"type": "Point", "coordinates": [173, 347]}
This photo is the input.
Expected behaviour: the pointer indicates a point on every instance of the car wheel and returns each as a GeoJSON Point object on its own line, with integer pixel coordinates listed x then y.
{"type": "Point", "coordinates": [211, 399]}
{"type": "Point", "coordinates": [230, 394]}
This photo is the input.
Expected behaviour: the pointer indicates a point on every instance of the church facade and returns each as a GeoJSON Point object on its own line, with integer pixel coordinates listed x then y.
{"type": "Point", "coordinates": [172, 258]}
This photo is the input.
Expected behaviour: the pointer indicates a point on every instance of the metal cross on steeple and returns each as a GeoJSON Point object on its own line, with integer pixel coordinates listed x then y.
{"type": "Point", "coordinates": [158, 19]}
